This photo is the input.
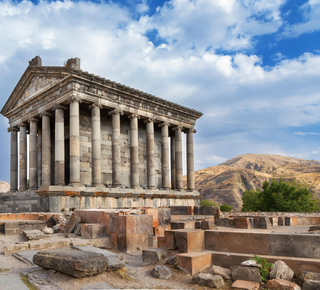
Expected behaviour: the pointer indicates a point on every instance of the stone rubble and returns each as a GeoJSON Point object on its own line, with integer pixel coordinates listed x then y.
{"type": "Point", "coordinates": [208, 280]}
{"type": "Point", "coordinates": [161, 272]}
{"type": "Point", "coordinates": [223, 272]}
{"type": "Point", "coordinates": [280, 284]}
{"type": "Point", "coordinates": [280, 270]}
{"type": "Point", "coordinates": [246, 273]}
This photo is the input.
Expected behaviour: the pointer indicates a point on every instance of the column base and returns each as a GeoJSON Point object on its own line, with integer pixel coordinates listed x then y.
{"type": "Point", "coordinates": [98, 185]}
{"type": "Point", "coordinates": [75, 184]}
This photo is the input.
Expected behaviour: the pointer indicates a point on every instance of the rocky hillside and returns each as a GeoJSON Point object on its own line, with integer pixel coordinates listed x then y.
{"type": "Point", "coordinates": [4, 186]}
{"type": "Point", "coordinates": [226, 182]}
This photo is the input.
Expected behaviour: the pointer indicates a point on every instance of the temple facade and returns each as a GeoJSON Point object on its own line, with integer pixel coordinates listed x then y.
{"type": "Point", "coordinates": [92, 137]}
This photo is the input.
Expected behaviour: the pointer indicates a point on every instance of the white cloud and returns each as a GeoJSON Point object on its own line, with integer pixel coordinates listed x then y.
{"type": "Point", "coordinates": [311, 14]}
{"type": "Point", "coordinates": [246, 105]}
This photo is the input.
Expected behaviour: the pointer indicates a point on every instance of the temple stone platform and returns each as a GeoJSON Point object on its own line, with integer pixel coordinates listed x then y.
{"type": "Point", "coordinates": [65, 198]}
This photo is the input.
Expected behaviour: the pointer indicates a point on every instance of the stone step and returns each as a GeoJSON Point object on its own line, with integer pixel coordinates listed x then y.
{"type": "Point", "coordinates": [187, 241]}
{"type": "Point", "coordinates": [229, 259]}
{"type": "Point", "coordinates": [194, 262]}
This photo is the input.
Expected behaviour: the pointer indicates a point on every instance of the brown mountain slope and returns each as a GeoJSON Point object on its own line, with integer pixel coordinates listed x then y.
{"type": "Point", "coordinates": [226, 183]}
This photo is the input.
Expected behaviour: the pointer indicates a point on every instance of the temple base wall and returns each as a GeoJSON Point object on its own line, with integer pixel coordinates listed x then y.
{"type": "Point", "coordinates": [66, 198]}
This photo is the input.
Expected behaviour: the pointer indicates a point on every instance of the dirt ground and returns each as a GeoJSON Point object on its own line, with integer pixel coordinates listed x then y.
{"type": "Point", "coordinates": [133, 276]}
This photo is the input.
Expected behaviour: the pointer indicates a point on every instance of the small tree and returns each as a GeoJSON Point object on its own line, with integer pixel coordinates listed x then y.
{"type": "Point", "coordinates": [283, 196]}
{"type": "Point", "coordinates": [225, 207]}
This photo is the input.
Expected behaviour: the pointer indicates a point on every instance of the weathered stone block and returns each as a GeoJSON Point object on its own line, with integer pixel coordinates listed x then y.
{"type": "Point", "coordinates": [72, 262]}
{"type": "Point", "coordinates": [264, 223]}
{"type": "Point", "coordinates": [246, 273]}
{"type": "Point", "coordinates": [164, 216]}
{"type": "Point", "coordinates": [280, 270]}
{"type": "Point", "coordinates": [306, 275]}
{"type": "Point", "coordinates": [153, 256]}
{"type": "Point", "coordinates": [274, 221]}
{"type": "Point", "coordinates": [280, 221]}
{"type": "Point", "coordinates": [170, 242]}
{"type": "Point", "coordinates": [242, 223]}
{"type": "Point", "coordinates": [311, 285]}
{"type": "Point", "coordinates": [161, 272]}
{"type": "Point", "coordinates": [279, 284]}
{"type": "Point", "coordinates": [208, 225]}
{"type": "Point", "coordinates": [8, 250]}
{"type": "Point", "coordinates": [189, 240]}
{"type": "Point", "coordinates": [135, 242]}
{"type": "Point", "coordinates": [245, 285]}
{"type": "Point", "coordinates": [211, 281]}
{"type": "Point", "coordinates": [34, 235]}
{"type": "Point", "coordinates": [194, 262]}
{"type": "Point", "coordinates": [223, 272]}
{"type": "Point", "coordinates": [161, 242]}
{"type": "Point", "coordinates": [155, 216]}
{"type": "Point", "coordinates": [92, 231]}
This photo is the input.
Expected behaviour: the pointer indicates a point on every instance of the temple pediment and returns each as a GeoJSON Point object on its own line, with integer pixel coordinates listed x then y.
{"type": "Point", "coordinates": [37, 84]}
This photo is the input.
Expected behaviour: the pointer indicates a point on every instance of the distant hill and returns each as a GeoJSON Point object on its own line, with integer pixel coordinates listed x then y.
{"type": "Point", "coordinates": [226, 182]}
{"type": "Point", "coordinates": [4, 186]}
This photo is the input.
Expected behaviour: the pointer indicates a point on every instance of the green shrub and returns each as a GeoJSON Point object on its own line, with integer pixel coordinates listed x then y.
{"type": "Point", "coordinates": [207, 202]}
{"type": "Point", "coordinates": [266, 267]}
{"type": "Point", "coordinates": [225, 207]}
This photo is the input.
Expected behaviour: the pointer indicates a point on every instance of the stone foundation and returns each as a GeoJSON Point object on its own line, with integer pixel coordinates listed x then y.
{"type": "Point", "coordinates": [66, 198]}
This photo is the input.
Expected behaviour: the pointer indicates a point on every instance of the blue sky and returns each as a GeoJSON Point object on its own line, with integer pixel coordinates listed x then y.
{"type": "Point", "coordinates": [252, 67]}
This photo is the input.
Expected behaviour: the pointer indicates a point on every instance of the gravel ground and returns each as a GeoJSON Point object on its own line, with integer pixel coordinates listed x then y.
{"type": "Point", "coordinates": [133, 276]}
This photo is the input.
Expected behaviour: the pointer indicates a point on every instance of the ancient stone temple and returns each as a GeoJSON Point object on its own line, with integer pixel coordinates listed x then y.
{"type": "Point", "coordinates": [94, 143]}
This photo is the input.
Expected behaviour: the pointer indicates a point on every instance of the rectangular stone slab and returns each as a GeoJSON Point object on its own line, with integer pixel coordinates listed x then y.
{"type": "Point", "coordinates": [72, 262]}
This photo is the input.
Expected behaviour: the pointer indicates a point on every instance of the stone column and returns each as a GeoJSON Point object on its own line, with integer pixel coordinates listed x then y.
{"type": "Point", "coordinates": [39, 142]}
{"type": "Point", "coordinates": [173, 160]}
{"type": "Point", "coordinates": [116, 147]}
{"type": "Point", "coordinates": [179, 183]}
{"type": "Point", "coordinates": [14, 159]}
{"type": "Point", "coordinates": [74, 141]}
{"type": "Point", "coordinates": [23, 166]}
{"type": "Point", "coordinates": [46, 150]}
{"type": "Point", "coordinates": [33, 154]}
{"type": "Point", "coordinates": [96, 144]}
{"type": "Point", "coordinates": [134, 151]}
{"type": "Point", "coordinates": [190, 160]}
{"type": "Point", "coordinates": [59, 172]}
{"type": "Point", "coordinates": [150, 153]}
{"type": "Point", "coordinates": [165, 155]}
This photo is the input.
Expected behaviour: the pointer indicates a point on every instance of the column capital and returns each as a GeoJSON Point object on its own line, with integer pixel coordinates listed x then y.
{"type": "Point", "coordinates": [33, 119]}
{"type": "Point", "coordinates": [22, 125]}
{"type": "Point", "coordinates": [177, 128]}
{"type": "Point", "coordinates": [165, 123]}
{"type": "Point", "coordinates": [190, 130]}
{"type": "Point", "coordinates": [150, 120]}
{"type": "Point", "coordinates": [116, 111]}
{"type": "Point", "coordinates": [131, 116]}
{"type": "Point", "coordinates": [45, 113]}
{"type": "Point", "coordinates": [95, 105]}
{"type": "Point", "coordinates": [58, 106]}
{"type": "Point", "coordinates": [13, 129]}
{"type": "Point", "coordinates": [74, 98]}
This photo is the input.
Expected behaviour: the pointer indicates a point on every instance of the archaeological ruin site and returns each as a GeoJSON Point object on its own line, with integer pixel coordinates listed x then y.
{"type": "Point", "coordinates": [97, 198]}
